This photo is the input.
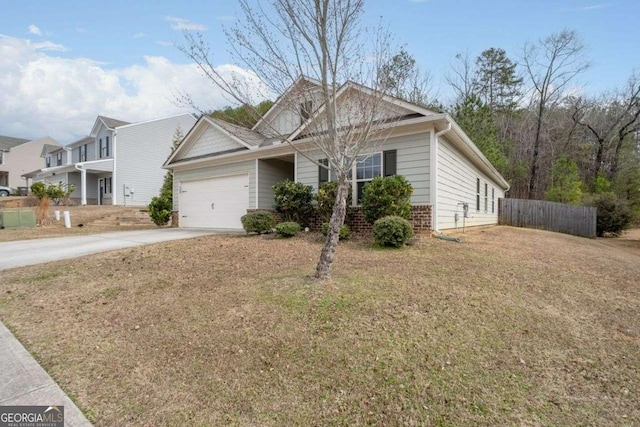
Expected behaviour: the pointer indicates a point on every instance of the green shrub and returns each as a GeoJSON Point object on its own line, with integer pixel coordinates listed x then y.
{"type": "Point", "coordinates": [160, 210]}
{"type": "Point", "coordinates": [392, 231]}
{"type": "Point", "coordinates": [614, 215]}
{"type": "Point", "coordinates": [294, 201]}
{"type": "Point", "coordinates": [258, 222]}
{"type": "Point", "coordinates": [39, 189]}
{"type": "Point", "coordinates": [345, 231]}
{"type": "Point", "coordinates": [385, 196]}
{"type": "Point", "coordinates": [326, 198]}
{"type": "Point", "coordinates": [287, 229]}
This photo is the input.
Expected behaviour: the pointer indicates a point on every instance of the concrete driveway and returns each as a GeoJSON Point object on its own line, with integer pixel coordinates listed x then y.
{"type": "Point", "coordinates": [37, 251]}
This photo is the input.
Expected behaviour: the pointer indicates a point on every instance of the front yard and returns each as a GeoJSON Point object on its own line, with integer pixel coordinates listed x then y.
{"type": "Point", "coordinates": [511, 327]}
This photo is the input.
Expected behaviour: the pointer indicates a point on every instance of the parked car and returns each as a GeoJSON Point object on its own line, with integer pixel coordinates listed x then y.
{"type": "Point", "coordinates": [5, 191]}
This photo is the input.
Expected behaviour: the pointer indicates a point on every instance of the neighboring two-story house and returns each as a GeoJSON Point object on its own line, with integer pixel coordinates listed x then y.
{"type": "Point", "coordinates": [19, 156]}
{"type": "Point", "coordinates": [119, 163]}
{"type": "Point", "coordinates": [221, 171]}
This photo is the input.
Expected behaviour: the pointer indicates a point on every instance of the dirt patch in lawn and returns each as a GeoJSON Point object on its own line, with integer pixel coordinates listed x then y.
{"type": "Point", "coordinates": [510, 327]}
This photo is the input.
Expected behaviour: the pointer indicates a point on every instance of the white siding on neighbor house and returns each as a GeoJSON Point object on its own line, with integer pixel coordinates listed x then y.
{"type": "Point", "coordinates": [271, 171]}
{"type": "Point", "coordinates": [141, 150]}
{"type": "Point", "coordinates": [248, 167]}
{"type": "Point", "coordinates": [457, 184]}
{"type": "Point", "coordinates": [91, 152]}
{"type": "Point", "coordinates": [412, 152]}
{"type": "Point", "coordinates": [212, 140]}
{"type": "Point", "coordinates": [103, 134]}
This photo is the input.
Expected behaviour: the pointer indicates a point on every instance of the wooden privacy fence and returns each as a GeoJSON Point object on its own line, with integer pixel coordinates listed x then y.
{"type": "Point", "coordinates": [543, 215]}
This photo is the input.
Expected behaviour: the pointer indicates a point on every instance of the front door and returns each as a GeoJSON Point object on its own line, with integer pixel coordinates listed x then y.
{"type": "Point", "coordinates": [100, 190]}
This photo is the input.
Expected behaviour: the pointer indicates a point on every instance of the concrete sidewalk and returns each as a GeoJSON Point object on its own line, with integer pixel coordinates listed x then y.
{"type": "Point", "coordinates": [30, 252]}
{"type": "Point", "coordinates": [24, 382]}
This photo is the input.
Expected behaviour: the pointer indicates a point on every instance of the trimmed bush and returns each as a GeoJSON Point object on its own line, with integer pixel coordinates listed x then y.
{"type": "Point", "coordinates": [294, 201]}
{"type": "Point", "coordinates": [326, 198]}
{"type": "Point", "coordinates": [614, 215]}
{"type": "Point", "coordinates": [345, 231]}
{"type": "Point", "coordinates": [385, 196]}
{"type": "Point", "coordinates": [288, 229]}
{"type": "Point", "coordinates": [392, 231]}
{"type": "Point", "coordinates": [258, 222]}
{"type": "Point", "coordinates": [160, 210]}
{"type": "Point", "coordinates": [39, 189]}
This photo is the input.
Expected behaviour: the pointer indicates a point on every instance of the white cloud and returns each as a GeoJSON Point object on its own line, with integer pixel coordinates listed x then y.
{"type": "Point", "coordinates": [181, 24]}
{"type": "Point", "coordinates": [42, 94]}
{"type": "Point", "coordinates": [163, 43]}
{"type": "Point", "coordinates": [138, 35]}
{"type": "Point", "coordinates": [34, 30]}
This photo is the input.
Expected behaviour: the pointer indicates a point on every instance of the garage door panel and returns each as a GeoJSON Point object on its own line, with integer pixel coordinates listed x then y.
{"type": "Point", "coordinates": [215, 202]}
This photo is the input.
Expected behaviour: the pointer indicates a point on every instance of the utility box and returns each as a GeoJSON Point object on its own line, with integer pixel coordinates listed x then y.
{"type": "Point", "coordinates": [17, 219]}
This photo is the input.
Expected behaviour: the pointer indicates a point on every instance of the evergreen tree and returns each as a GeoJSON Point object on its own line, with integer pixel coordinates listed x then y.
{"type": "Point", "coordinates": [497, 82]}
{"type": "Point", "coordinates": [244, 115]}
{"type": "Point", "coordinates": [567, 184]}
{"type": "Point", "coordinates": [475, 118]}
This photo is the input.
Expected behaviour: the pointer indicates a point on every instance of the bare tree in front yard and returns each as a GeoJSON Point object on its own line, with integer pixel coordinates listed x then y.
{"type": "Point", "coordinates": [279, 41]}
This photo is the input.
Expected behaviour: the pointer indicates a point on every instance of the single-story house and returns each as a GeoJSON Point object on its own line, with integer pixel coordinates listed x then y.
{"type": "Point", "coordinates": [221, 170]}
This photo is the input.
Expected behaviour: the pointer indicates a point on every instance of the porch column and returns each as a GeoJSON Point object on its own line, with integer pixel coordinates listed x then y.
{"type": "Point", "coordinates": [83, 185]}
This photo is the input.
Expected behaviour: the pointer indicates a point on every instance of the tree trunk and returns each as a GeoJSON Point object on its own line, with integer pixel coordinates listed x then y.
{"type": "Point", "coordinates": [536, 152]}
{"type": "Point", "coordinates": [323, 270]}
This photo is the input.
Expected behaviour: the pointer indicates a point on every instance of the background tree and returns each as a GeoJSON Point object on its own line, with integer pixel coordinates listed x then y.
{"type": "Point", "coordinates": [281, 40]}
{"type": "Point", "coordinates": [401, 77]}
{"type": "Point", "coordinates": [244, 115]}
{"type": "Point", "coordinates": [551, 64]}
{"type": "Point", "coordinates": [566, 183]}
{"type": "Point", "coordinates": [497, 82]}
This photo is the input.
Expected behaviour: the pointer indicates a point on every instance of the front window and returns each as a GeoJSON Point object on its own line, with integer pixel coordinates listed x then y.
{"type": "Point", "coordinates": [59, 159]}
{"type": "Point", "coordinates": [48, 161]}
{"type": "Point", "coordinates": [107, 185]}
{"type": "Point", "coordinates": [365, 168]}
{"type": "Point", "coordinates": [82, 157]}
{"type": "Point", "coordinates": [104, 147]}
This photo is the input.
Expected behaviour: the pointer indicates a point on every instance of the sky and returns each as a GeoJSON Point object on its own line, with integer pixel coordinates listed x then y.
{"type": "Point", "coordinates": [63, 63]}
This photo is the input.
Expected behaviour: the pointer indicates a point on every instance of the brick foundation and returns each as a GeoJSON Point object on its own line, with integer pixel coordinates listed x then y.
{"type": "Point", "coordinates": [420, 219]}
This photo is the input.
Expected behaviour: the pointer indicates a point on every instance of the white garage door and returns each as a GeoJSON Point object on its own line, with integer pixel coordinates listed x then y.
{"type": "Point", "coordinates": [214, 202]}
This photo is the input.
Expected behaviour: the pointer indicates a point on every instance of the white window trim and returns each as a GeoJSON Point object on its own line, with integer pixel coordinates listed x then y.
{"type": "Point", "coordinates": [354, 173]}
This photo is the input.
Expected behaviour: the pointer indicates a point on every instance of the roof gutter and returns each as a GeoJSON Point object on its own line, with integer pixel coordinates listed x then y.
{"type": "Point", "coordinates": [433, 172]}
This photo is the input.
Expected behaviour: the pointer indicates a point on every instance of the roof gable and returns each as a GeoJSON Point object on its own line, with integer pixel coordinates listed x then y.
{"type": "Point", "coordinates": [209, 137]}
{"type": "Point", "coordinates": [8, 142]}
{"type": "Point", "coordinates": [107, 122]}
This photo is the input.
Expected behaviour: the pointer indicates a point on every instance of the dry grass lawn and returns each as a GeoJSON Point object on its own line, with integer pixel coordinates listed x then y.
{"type": "Point", "coordinates": [511, 327]}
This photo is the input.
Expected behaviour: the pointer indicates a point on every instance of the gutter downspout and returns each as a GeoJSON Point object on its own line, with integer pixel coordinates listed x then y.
{"type": "Point", "coordinates": [433, 184]}
{"type": "Point", "coordinates": [83, 184]}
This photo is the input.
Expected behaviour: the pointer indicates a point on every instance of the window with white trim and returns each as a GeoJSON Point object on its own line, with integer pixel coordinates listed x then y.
{"type": "Point", "coordinates": [104, 147]}
{"type": "Point", "coordinates": [82, 153]}
{"type": "Point", "coordinates": [107, 185]}
{"type": "Point", "coordinates": [59, 159]}
{"type": "Point", "coordinates": [48, 161]}
{"type": "Point", "coordinates": [365, 169]}
{"type": "Point", "coordinates": [478, 194]}
{"type": "Point", "coordinates": [486, 197]}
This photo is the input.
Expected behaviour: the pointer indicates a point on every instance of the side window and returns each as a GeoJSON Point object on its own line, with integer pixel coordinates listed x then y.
{"type": "Point", "coordinates": [390, 162]}
{"type": "Point", "coordinates": [478, 194]}
{"type": "Point", "coordinates": [486, 196]}
{"type": "Point", "coordinates": [323, 173]}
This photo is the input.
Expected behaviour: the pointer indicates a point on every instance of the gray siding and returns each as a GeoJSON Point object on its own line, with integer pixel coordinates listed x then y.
{"type": "Point", "coordinates": [248, 167]}
{"type": "Point", "coordinates": [271, 171]}
{"type": "Point", "coordinates": [141, 150]}
{"type": "Point", "coordinates": [212, 140]}
{"type": "Point", "coordinates": [91, 153]}
{"type": "Point", "coordinates": [456, 184]}
{"type": "Point", "coordinates": [412, 163]}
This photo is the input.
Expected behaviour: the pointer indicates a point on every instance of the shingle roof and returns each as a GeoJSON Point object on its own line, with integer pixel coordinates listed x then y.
{"type": "Point", "coordinates": [8, 142]}
{"type": "Point", "coordinates": [112, 123]}
{"type": "Point", "coordinates": [249, 136]}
